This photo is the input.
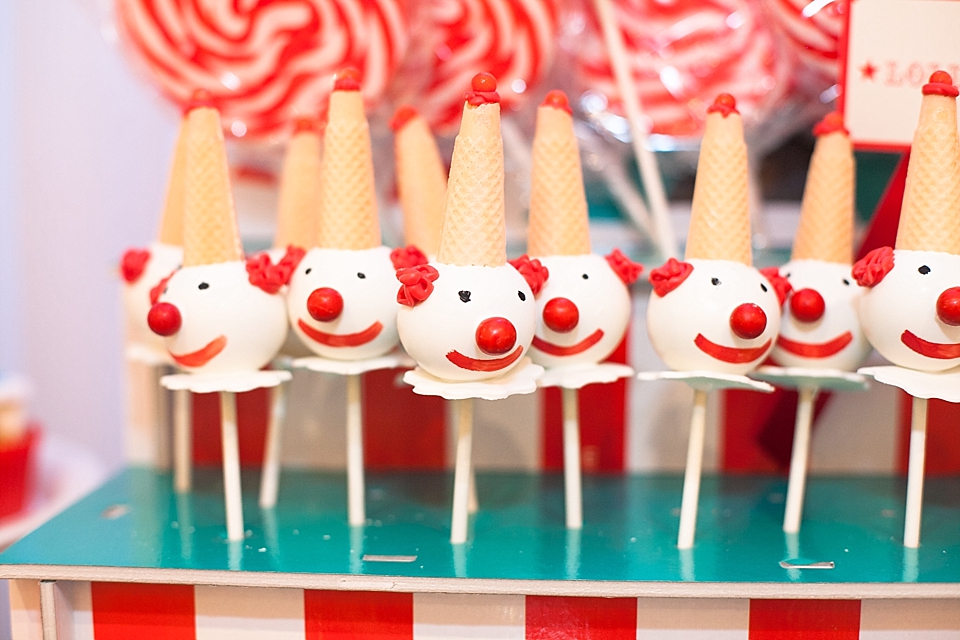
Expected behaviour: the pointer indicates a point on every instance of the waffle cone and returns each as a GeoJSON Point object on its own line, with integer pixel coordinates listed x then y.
{"type": "Point", "coordinates": [348, 203]}
{"type": "Point", "coordinates": [720, 219]}
{"type": "Point", "coordinates": [422, 183]}
{"type": "Point", "coordinates": [210, 232]}
{"type": "Point", "coordinates": [171, 220]}
{"type": "Point", "coordinates": [826, 216]}
{"type": "Point", "coordinates": [299, 200]}
{"type": "Point", "coordinates": [474, 226]}
{"type": "Point", "coordinates": [558, 204]}
{"type": "Point", "coordinates": [929, 219]}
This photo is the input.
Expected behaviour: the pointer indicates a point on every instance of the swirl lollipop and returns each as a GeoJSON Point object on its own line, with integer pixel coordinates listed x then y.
{"type": "Point", "coordinates": [812, 31]}
{"type": "Point", "coordinates": [514, 40]}
{"type": "Point", "coordinates": [682, 54]}
{"type": "Point", "coordinates": [264, 64]}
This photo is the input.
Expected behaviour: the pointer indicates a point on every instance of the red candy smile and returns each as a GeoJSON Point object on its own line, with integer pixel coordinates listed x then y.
{"type": "Point", "coordinates": [345, 340]}
{"type": "Point", "coordinates": [556, 350]}
{"type": "Point", "coordinates": [821, 350]}
{"type": "Point", "coordinates": [930, 349]}
{"type": "Point", "coordinates": [473, 364]}
{"type": "Point", "coordinates": [732, 355]}
{"type": "Point", "coordinates": [201, 356]}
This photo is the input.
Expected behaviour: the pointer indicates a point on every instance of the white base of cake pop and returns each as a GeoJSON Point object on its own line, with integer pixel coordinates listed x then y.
{"type": "Point", "coordinates": [353, 367]}
{"type": "Point", "coordinates": [707, 380]}
{"type": "Point", "coordinates": [522, 379]}
{"type": "Point", "coordinates": [919, 384]}
{"type": "Point", "coordinates": [580, 375]}
{"type": "Point", "coordinates": [230, 382]}
{"type": "Point", "coordinates": [797, 378]}
{"type": "Point", "coordinates": [148, 355]}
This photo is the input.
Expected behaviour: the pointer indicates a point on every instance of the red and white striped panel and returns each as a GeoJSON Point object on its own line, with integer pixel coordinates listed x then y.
{"type": "Point", "coordinates": [114, 611]}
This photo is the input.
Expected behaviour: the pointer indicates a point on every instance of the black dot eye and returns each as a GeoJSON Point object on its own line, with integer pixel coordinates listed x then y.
{"type": "Point", "coordinates": [361, 275]}
{"type": "Point", "coordinates": [714, 281]}
{"type": "Point", "coordinates": [465, 296]}
{"type": "Point", "coordinates": [763, 287]}
{"type": "Point", "coordinates": [846, 282]}
{"type": "Point", "coordinates": [523, 298]}
{"type": "Point", "coordinates": [786, 275]}
{"type": "Point", "coordinates": [924, 270]}
{"type": "Point", "coordinates": [203, 285]}
{"type": "Point", "coordinates": [586, 277]}
{"type": "Point", "coordinates": [307, 272]}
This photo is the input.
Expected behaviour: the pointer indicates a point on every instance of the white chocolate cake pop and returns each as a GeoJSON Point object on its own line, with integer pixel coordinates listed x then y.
{"type": "Point", "coordinates": [584, 307]}
{"type": "Point", "coordinates": [143, 269]}
{"type": "Point", "coordinates": [342, 297]}
{"type": "Point", "coordinates": [218, 313]}
{"type": "Point", "coordinates": [714, 311]}
{"type": "Point", "coordinates": [820, 328]}
{"type": "Point", "coordinates": [470, 315]}
{"type": "Point", "coordinates": [911, 308]}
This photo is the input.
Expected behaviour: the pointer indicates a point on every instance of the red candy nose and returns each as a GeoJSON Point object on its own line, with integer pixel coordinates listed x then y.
{"type": "Point", "coordinates": [807, 305]}
{"type": "Point", "coordinates": [496, 336]}
{"type": "Point", "coordinates": [748, 321]}
{"type": "Point", "coordinates": [948, 306]}
{"type": "Point", "coordinates": [561, 315]}
{"type": "Point", "coordinates": [164, 319]}
{"type": "Point", "coordinates": [325, 304]}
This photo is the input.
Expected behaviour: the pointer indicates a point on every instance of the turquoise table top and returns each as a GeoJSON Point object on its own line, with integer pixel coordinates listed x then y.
{"type": "Point", "coordinates": [135, 528]}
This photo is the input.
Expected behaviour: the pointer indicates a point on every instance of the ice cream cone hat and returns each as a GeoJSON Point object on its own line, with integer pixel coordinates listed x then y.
{"type": "Point", "coordinates": [348, 201]}
{"type": "Point", "coordinates": [826, 215]}
{"type": "Point", "coordinates": [930, 217]}
{"type": "Point", "coordinates": [720, 218]}
{"type": "Point", "coordinates": [474, 224]}
{"type": "Point", "coordinates": [210, 234]}
{"type": "Point", "coordinates": [421, 179]}
{"type": "Point", "coordinates": [558, 204]}
{"type": "Point", "coordinates": [298, 206]}
{"type": "Point", "coordinates": [171, 220]}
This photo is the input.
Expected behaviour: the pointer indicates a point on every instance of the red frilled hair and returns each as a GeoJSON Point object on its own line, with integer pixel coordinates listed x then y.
{"type": "Point", "coordinates": [670, 276]}
{"type": "Point", "coordinates": [873, 267]}
{"type": "Point", "coordinates": [271, 277]}
{"type": "Point", "coordinates": [532, 271]}
{"type": "Point", "coordinates": [416, 284]}
{"type": "Point", "coordinates": [780, 285]}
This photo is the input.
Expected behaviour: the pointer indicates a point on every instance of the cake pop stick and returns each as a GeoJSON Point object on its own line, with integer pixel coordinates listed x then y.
{"type": "Point", "coordinates": [572, 485]}
{"type": "Point", "coordinates": [231, 465]}
{"type": "Point", "coordinates": [693, 472]}
{"type": "Point", "coordinates": [355, 501]}
{"type": "Point", "coordinates": [182, 442]}
{"type": "Point", "coordinates": [463, 468]}
{"type": "Point", "coordinates": [270, 473]}
{"type": "Point", "coordinates": [649, 169]}
{"type": "Point", "coordinates": [799, 460]}
{"type": "Point", "coordinates": [918, 449]}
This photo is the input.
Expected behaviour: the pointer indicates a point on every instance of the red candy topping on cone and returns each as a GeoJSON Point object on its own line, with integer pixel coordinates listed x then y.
{"type": "Point", "coordinates": [484, 90]}
{"type": "Point", "coordinates": [347, 80]}
{"type": "Point", "coordinates": [941, 84]}
{"type": "Point", "coordinates": [404, 114]}
{"type": "Point", "coordinates": [725, 104]}
{"type": "Point", "coordinates": [831, 123]}
{"type": "Point", "coordinates": [558, 100]}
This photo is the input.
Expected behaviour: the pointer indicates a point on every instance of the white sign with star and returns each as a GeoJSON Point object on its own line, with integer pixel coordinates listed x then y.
{"type": "Point", "coordinates": [893, 46]}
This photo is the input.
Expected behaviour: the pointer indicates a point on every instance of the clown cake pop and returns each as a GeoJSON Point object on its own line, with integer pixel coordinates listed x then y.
{"type": "Point", "coordinates": [143, 269]}
{"type": "Point", "coordinates": [468, 317]}
{"type": "Point", "coordinates": [222, 318]}
{"type": "Point", "coordinates": [911, 308]}
{"type": "Point", "coordinates": [821, 325]}
{"type": "Point", "coordinates": [713, 317]}
{"type": "Point", "coordinates": [421, 179]}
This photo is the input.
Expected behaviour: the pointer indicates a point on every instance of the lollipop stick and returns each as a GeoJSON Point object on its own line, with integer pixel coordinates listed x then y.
{"type": "Point", "coordinates": [462, 472]}
{"type": "Point", "coordinates": [571, 459]}
{"type": "Point", "coordinates": [798, 460]}
{"type": "Point", "coordinates": [162, 422]}
{"type": "Point", "coordinates": [918, 446]}
{"type": "Point", "coordinates": [182, 442]}
{"type": "Point", "coordinates": [231, 465]}
{"type": "Point", "coordinates": [356, 508]}
{"type": "Point", "coordinates": [649, 170]}
{"type": "Point", "coordinates": [474, 504]}
{"type": "Point", "coordinates": [270, 476]}
{"type": "Point", "coordinates": [691, 478]}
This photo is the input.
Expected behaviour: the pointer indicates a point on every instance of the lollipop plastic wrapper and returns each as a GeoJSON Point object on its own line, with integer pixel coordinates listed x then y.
{"type": "Point", "coordinates": [264, 64]}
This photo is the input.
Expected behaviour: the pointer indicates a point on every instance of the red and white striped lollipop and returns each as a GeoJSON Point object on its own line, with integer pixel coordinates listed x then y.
{"type": "Point", "coordinates": [265, 64]}
{"type": "Point", "coordinates": [812, 29]}
{"type": "Point", "coordinates": [683, 53]}
{"type": "Point", "coordinates": [514, 40]}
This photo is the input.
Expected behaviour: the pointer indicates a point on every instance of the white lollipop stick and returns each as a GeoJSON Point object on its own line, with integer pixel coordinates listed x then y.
{"type": "Point", "coordinates": [649, 170]}
{"type": "Point", "coordinates": [270, 475]}
{"type": "Point", "coordinates": [162, 422]}
{"type": "Point", "coordinates": [918, 447]}
{"type": "Point", "coordinates": [691, 478]}
{"type": "Point", "coordinates": [355, 491]}
{"type": "Point", "coordinates": [182, 442]}
{"type": "Point", "coordinates": [231, 466]}
{"type": "Point", "coordinates": [474, 502]}
{"type": "Point", "coordinates": [462, 472]}
{"type": "Point", "coordinates": [799, 460]}
{"type": "Point", "coordinates": [573, 493]}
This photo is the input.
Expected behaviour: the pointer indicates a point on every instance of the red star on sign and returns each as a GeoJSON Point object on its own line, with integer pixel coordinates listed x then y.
{"type": "Point", "coordinates": [867, 71]}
